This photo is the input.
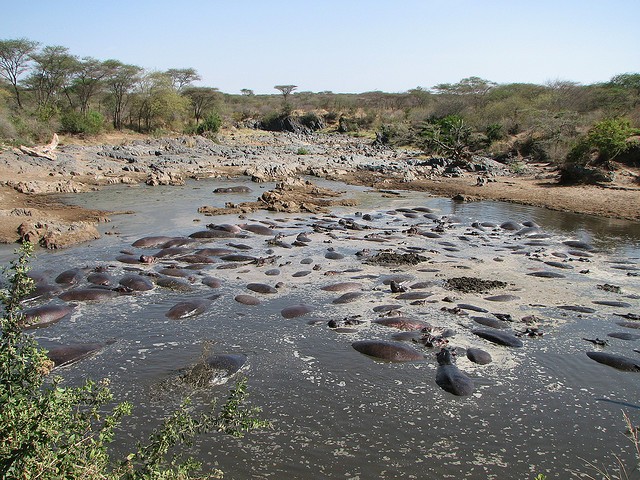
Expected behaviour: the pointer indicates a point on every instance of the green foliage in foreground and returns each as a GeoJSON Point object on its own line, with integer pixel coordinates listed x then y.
{"type": "Point", "coordinates": [49, 430]}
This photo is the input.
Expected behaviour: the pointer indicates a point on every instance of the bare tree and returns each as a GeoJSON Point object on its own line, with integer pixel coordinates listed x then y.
{"type": "Point", "coordinates": [15, 56]}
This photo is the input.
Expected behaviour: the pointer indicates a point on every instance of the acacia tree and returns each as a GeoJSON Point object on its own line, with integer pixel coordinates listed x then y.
{"type": "Point", "coordinates": [15, 56]}
{"type": "Point", "coordinates": [474, 88]}
{"type": "Point", "coordinates": [54, 70]}
{"type": "Point", "coordinates": [247, 92]}
{"type": "Point", "coordinates": [286, 91]}
{"type": "Point", "coordinates": [182, 77]}
{"type": "Point", "coordinates": [202, 100]}
{"type": "Point", "coordinates": [120, 78]}
{"type": "Point", "coordinates": [88, 81]}
{"type": "Point", "coordinates": [156, 103]}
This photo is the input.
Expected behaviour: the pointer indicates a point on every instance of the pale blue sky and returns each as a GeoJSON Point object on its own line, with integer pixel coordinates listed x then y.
{"type": "Point", "coordinates": [344, 46]}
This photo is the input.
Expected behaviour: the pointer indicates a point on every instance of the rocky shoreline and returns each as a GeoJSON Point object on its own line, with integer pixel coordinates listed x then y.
{"type": "Point", "coordinates": [26, 182]}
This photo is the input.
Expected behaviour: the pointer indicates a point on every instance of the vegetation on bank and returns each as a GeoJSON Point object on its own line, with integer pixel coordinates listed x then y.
{"type": "Point", "coordinates": [50, 430]}
{"type": "Point", "coordinates": [47, 88]}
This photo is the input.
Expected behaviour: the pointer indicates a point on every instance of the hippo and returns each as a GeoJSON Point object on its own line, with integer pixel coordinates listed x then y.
{"type": "Point", "coordinates": [577, 308]}
{"type": "Point", "coordinates": [237, 257]}
{"type": "Point", "coordinates": [502, 298]}
{"type": "Point", "coordinates": [43, 290]}
{"type": "Point", "coordinates": [170, 252]}
{"type": "Point", "coordinates": [70, 277]}
{"type": "Point", "coordinates": [499, 337]}
{"type": "Point", "coordinates": [490, 322]}
{"type": "Point", "coordinates": [612, 303]}
{"type": "Point", "coordinates": [403, 323]}
{"type": "Point", "coordinates": [616, 361]}
{"type": "Point", "coordinates": [342, 287]}
{"type": "Point", "coordinates": [546, 274]}
{"type": "Point", "coordinates": [258, 229]}
{"type": "Point", "coordinates": [214, 252]}
{"type": "Point", "coordinates": [173, 283]}
{"type": "Point", "coordinates": [100, 278]}
{"type": "Point", "coordinates": [45, 315]}
{"type": "Point", "coordinates": [88, 294]}
{"type": "Point", "coordinates": [347, 297]}
{"type": "Point", "coordinates": [466, 306]}
{"type": "Point", "coordinates": [624, 335]}
{"type": "Point", "coordinates": [294, 311]}
{"type": "Point", "coordinates": [212, 234]}
{"type": "Point", "coordinates": [261, 288]}
{"type": "Point", "coordinates": [479, 356]}
{"type": "Point", "coordinates": [211, 282]}
{"type": "Point", "coordinates": [214, 370]}
{"type": "Point", "coordinates": [188, 308]}
{"type": "Point", "coordinates": [247, 300]}
{"type": "Point", "coordinates": [450, 378]}
{"type": "Point", "coordinates": [579, 245]}
{"type": "Point", "coordinates": [152, 241]}
{"type": "Point", "coordinates": [136, 283]}
{"type": "Point", "coordinates": [66, 355]}
{"type": "Point", "coordinates": [233, 189]}
{"type": "Point", "coordinates": [388, 350]}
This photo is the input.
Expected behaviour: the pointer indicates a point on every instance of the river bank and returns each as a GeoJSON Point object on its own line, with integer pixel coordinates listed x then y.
{"type": "Point", "coordinates": [28, 209]}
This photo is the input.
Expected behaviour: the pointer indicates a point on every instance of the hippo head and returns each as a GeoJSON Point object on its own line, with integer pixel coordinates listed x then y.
{"type": "Point", "coordinates": [445, 357]}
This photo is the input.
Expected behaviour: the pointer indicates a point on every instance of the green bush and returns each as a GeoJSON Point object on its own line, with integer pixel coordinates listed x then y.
{"type": "Point", "coordinates": [603, 142]}
{"type": "Point", "coordinates": [77, 123]}
{"type": "Point", "coordinates": [49, 430]}
{"type": "Point", "coordinates": [211, 124]}
{"type": "Point", "coordinates": [446, 136]}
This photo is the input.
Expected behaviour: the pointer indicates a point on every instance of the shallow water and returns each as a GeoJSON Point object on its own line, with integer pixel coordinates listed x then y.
{"type": "Point", "coordinates": [336, 413]}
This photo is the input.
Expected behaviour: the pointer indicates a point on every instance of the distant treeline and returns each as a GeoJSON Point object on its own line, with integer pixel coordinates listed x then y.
{"type": "Point", "coordinates": [46, 89]}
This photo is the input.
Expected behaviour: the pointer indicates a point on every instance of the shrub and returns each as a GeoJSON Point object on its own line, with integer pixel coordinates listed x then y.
{"type": "Point", "coordinates": [603, 142]}
{"type": "Point", "coordinates": [302, 151]}
{"type": "Point", "coordinates": [494, 132]}
{"type": "Point", "coordinates": [446, 136]}
{"type": "Point", "coordinates": [52, 431]}
{"type": "Point", "coordinates": [211, 124]}
{"type": "Point", "coordinates": [76, 122]}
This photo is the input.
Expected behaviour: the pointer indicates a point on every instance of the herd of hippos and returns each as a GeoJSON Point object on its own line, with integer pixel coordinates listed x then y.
{"type": "Point", "coordinates": [406, 237]}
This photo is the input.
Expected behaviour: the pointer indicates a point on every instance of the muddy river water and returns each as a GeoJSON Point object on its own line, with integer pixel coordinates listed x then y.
{"type": "Point", "coordinates": [336, 413]}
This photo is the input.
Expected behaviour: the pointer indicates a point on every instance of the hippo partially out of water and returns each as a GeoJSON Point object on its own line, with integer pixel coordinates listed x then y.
{"type": "Point", "coordinates": [450, 378]}
{"type": "Point", "coordinates": [45, 315]}
{"type": "Point", "coordinates": [616, 361]}
{"type": "Point", "coordinates": [387, 350]}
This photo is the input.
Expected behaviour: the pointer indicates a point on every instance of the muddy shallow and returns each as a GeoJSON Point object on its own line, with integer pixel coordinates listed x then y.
{"type": "Point", "coordinates": [337, 413]}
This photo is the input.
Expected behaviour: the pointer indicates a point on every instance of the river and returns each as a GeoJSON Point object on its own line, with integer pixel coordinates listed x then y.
{"type": "Point", "coordinates": [544, 408]}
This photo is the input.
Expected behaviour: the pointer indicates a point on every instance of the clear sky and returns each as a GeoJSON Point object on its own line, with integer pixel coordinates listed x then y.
{"type": "Point", "coordinates": [344, 46]}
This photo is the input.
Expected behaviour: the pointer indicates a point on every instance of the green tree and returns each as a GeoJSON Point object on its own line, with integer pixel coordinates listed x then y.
{"type": "Point", "coordinates": [182, 77]}
{"type": "Point", "coordinates": [202, 100]}
{"type": "Point", "coordinates": [120, 79]}
{"type": "Point", "coordinates": [52, 75]}
{"type": "Point", "coordinates": [15, 56]}
{"type": "Point", "coordinates": [88, 81]}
